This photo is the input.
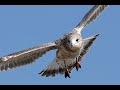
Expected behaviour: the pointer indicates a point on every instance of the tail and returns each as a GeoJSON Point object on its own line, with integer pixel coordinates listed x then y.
{"type": "Point", "coordinates": [57, 67]}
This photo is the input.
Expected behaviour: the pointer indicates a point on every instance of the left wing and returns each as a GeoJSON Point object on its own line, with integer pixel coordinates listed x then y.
{"type": "Point", "coordinates": [25, 56]}
{"type": "Point", "coordinates": [90, 16]}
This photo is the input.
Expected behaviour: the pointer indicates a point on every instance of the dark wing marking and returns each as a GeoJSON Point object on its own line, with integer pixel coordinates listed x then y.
{"type": "Point", "coordinates": [25, 56]}
{"type": "Point", "coordinates": [90, 16]}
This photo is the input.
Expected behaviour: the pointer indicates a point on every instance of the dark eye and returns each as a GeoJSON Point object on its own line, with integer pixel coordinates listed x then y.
{"type": "Point", "coordinates": [77, 40]}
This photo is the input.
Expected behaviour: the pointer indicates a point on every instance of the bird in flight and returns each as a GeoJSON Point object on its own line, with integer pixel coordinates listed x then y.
{"type": "Point", "coordinates": [71, 48]}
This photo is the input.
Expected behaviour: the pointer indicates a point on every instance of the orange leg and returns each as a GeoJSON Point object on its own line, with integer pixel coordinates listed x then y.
{"type": "Point", "coordinates": [77, 65]}
{"type": "Point", "coordinates": [67, 72]}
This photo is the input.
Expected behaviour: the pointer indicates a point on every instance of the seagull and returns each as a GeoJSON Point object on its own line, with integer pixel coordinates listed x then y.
{"type": "Point", "coordinates": [70, 49]}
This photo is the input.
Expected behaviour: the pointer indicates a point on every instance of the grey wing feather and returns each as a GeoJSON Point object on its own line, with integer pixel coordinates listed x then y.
{"type": "Point", "coordinates": [90, 16]}
{"type": "Point", "coordinates": [87, 43]}
{"type": "Point", "coordinates": [25, 56]}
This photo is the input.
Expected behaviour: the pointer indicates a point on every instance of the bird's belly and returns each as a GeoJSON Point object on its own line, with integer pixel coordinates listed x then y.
{"type": "Point", "coordinates": [62, 55]}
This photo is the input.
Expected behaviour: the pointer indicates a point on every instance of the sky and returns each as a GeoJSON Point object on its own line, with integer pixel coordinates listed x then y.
{"type": "Point", "coordinates": [26, 26]}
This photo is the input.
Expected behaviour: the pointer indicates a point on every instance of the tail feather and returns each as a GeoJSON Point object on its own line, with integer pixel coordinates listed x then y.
{"type": "Point", "coordinates": [56, 67]}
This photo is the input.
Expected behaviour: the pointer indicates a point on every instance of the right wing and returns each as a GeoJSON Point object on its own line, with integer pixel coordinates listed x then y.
{"type": "Point", "coordinates": [90, 16]}
{"type": "Point", "coordinates": [87, 43]}
{"type": "Point", "coordinates": [25, 56]}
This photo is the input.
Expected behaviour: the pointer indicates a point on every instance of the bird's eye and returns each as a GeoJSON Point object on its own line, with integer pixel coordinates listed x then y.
{"type": "Point", "coordinates": [77, 40]}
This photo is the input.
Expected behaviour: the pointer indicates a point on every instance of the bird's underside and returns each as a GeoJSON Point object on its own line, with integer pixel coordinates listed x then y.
{"type": "Point", "coordinates": [71, 48]}
{"type": "Point", "coordinates": [59, 66]}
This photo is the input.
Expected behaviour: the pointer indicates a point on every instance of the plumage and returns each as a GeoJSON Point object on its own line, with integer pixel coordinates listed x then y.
{"type": "Point", "coordinates": [90, 16]}
{"type": "Point", "coordinates": [71, 48]}
{"type": "Point", "coordinates": [25, 56]}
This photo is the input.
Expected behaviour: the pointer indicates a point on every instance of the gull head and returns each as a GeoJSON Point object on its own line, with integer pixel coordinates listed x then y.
{"type": "Point", "coordinates": [74, 41]}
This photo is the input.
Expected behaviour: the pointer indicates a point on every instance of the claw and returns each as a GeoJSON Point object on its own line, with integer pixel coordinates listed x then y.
{"type": "Point", "coordinates": [77, 65]}
{"type": "Point", "coordinates": [67, 73]}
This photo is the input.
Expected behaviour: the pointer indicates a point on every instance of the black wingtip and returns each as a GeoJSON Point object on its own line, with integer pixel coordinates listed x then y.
{"type": "Point", "coordinates": [97, 35]}
{"type": "Point", "coordinates": [41, 72]}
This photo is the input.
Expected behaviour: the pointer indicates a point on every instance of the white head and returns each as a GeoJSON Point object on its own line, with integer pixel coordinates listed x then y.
{"type": "Point", "coordinates": [74, 41]}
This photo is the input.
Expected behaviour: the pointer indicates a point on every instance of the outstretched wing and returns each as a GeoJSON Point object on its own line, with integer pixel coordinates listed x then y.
{"type": "Point", "coordinates": [57, 66]}
{"type": "Point", "coordinates": [87, 43]}
{"type": "Point", "coordinates": [90, 16]}
{"type": "Point", "coordinates": [25, 57]}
